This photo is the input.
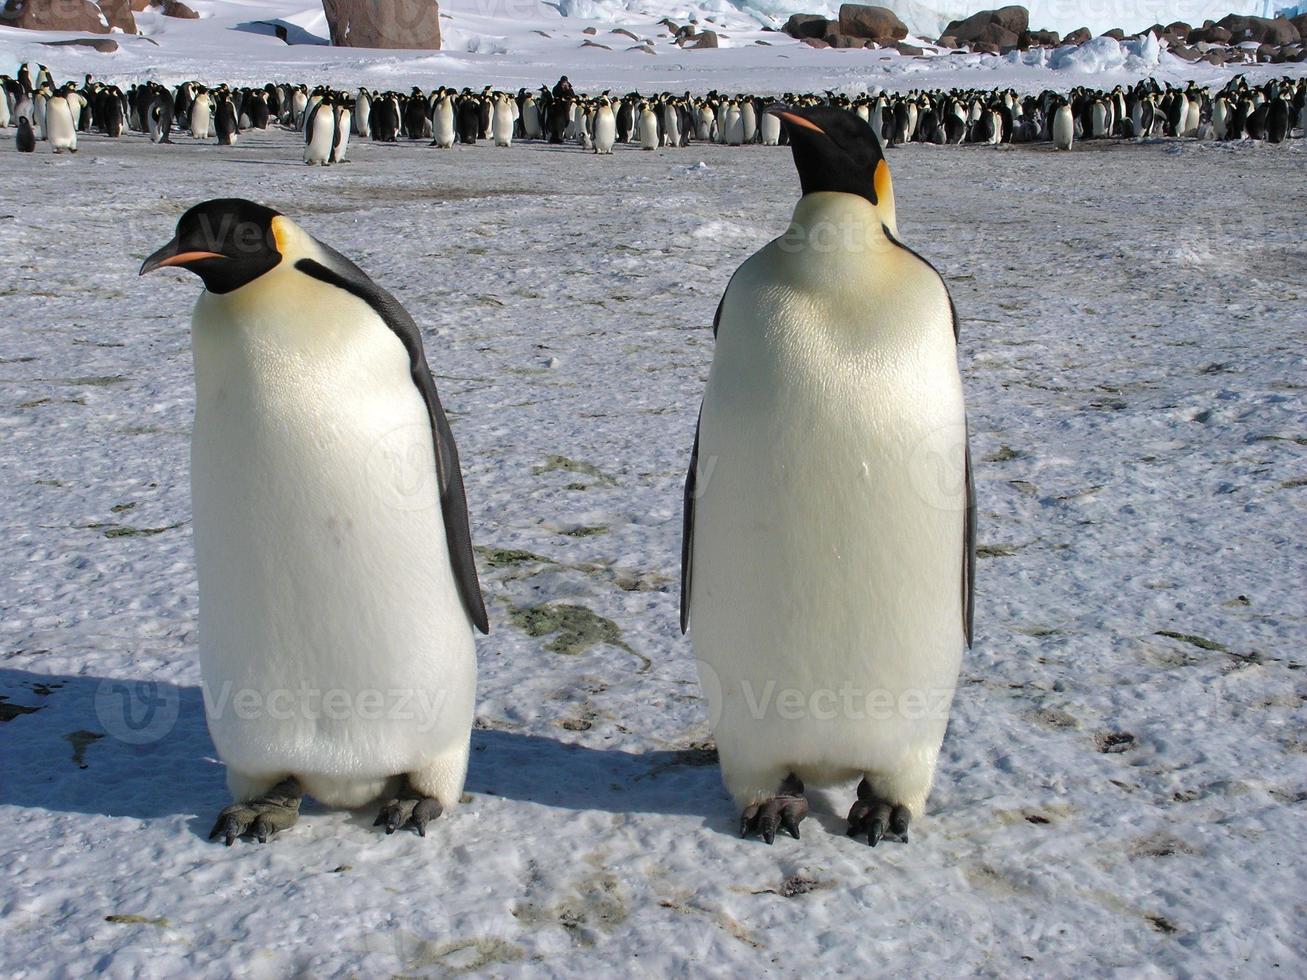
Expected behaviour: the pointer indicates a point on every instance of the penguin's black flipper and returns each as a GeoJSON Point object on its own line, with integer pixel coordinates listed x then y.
{"type": "Point", "coordinates": [691, 491]}
{"type": "Point", "coordinates": [453, 499]}
{"type": "Point", "coordinates": [969, 551]}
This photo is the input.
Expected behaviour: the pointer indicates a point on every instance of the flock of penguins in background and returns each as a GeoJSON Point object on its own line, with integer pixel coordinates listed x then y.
{"type": "Point", "coordinates": [42, 109]}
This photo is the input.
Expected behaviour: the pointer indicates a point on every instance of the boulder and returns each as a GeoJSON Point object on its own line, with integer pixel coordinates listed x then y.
{"type": "Point", "coordinates": [909, 49]}
{"type": "Point", "coordinates": [1263, 30]}
{"type": "Point", "coordinates": [947, 41]}
{"type": "Point", "coordinates": [704, 39]}
{"type": "Point", "coordinates": [1266, 53]}
{"type": "Point", "coordinates": [1079, 36]}
{"type": "Point", "coordinates": [835, 39]}
{"type": "Point", "coordinates": [981, 25]}
{"type": "Point", "coordinates": [1210, 34]}
{"type": "Point", "coordinates": [86, 16]}
{"type": "Point", "coordinates": [1115, 33]}
{"type": "Point", "coordinates": [592, 31]}
{"type": "Point", "coordinates": [984, 47]}
{"type": "Point", "coordinates": [1050, 39]}
{"type": "Point", "coordinates": [871, 23]}
{"type": "Point", "coordinates": [1216, 56]}
{"type": "Point", "coordinates": [1186, 53]}
{"type": "Point", "coordinates": [384, 23]}
{"type": "Point", "coordinates": [1178, 29]}
{"type": "Point", "coordinates": [806, 25]}
{"type": "Point", "coordinates": [814, 42]}
{"type": "Point", "coordinates": [175, 8]}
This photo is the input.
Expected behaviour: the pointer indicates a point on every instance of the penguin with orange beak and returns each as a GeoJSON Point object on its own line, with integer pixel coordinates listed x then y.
{"type": "Point", "coordinates": [829, 535]}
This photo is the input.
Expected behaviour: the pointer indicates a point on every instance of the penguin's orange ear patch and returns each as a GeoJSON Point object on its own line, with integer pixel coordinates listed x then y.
{"type": "Point", "coordinates": [278, 234]}
{"type": "Point", "coordinates": [881, 183]}
{"type": "Point", "coordinates": [794, 120]}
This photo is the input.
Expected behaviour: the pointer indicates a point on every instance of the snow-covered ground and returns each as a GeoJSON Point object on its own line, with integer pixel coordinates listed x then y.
{"type": "Point", "coordinates": [1123, 783]}
{"type": "Point", "coordinates": [514, 43]}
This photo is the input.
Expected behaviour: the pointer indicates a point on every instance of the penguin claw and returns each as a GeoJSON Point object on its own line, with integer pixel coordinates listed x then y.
{"type": "Point", "coordinates": [784, 811]}
{"type": "Point", "coordinates": [877, 819]}
{"type": "Point", "coordinates": [262, 818]}
{"type": "Point", "coordinates": [409, 811]}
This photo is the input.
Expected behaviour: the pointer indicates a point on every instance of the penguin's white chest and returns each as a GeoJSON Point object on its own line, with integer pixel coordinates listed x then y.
{"type": "Point", "coordinates": [332, 637]}
{"type": "Point", "coordinates": [827, 548]}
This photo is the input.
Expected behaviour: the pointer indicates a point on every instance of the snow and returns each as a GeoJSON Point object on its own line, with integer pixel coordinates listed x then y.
{"type": "Point", "coordinates": [1122, 785]}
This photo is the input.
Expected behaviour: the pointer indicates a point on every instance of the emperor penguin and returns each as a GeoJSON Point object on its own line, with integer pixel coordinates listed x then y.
{"type": "Point", "coordinates": [605, 126]}
{"type": "Point", "coordinates": [337, 589]}
{"type": "Point", "coordinates": [320, 133]}
{"type": "Point", "coordinates": [1064, 127]}
{"type": "Point", "coordinates": [61, 123]}
{"type": "Point", "coordinates": [648, 126]}
{"type": "Point", "coordinates": [202, 116]}
{"type": "Point", "coordinates": [501, 121]}
{"type": "Point", "coordinates": [442, 122]}
{"type": "Point", "coordinates": [828, 548]}
{"type": "Point", "coordinates": [25, 139]}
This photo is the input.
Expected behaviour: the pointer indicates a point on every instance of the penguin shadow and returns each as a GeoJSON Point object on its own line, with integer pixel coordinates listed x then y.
{"type": "Point", "coordinates": [532, 768]}
{"type": "Point", "coordinates": [141, 749]}
{"type": "Point", "coordinates": [286, 31]}
{"type": "Point", "coordinates": [97, 745]}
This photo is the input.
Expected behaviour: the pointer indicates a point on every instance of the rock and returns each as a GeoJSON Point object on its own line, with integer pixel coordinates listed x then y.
{"type": "Point", "coordinates": [705, 39]}
{"type": "Point", "coordinates": [1216, 56]}
{"type": "Point", "coordinates": [981, 25]}
{"type": "Point", "coordinates": [587, 43]}
{"type": "Point", "coordinates": [947, 41]}
{"type": "Point", "coordinates": [1210, 34]}
{"type": "Point", "coordinates": [814, 42]}
{"type": "Point", "coordinates": [591, 31]}
{"type": "Point", "coordinates": [1079, 36]}
{"type": "Point", "coordinates": [1300, 22]}
{"type": "Point", "coordinates": [806, 25]}
{"type": "Point", "coordinates": [1186, 53]}
{"type": "Point", "coordinates": [624, 31]}
{"type": "Point", "coordinates": [909, 49]}
{"type": "Point", "coordinates": [99, 43]}
{"type": "Point", "coordinates": [984, 47]}
{"type": "Point", "coordinates": [175, 8]}
{"type": "Point", "coordinates": [871, 23]}
{"type": "Point", "coordinates": [1115, 33]}
{"type": "Point", "coordinates": [411, 24]}
{"type": "Point", "coordinates": [1266, 53]}
{"type": "Point", "coordinates": [1179, 29]}
{"type": "Point", "coordinates": [837, 40]}
{"type": "Point", "coordinates": [1263, 30]}
{"type": "Point", "coordinates": [84, 16]}
{"type": "Point", "coordinates": [1050, 39]}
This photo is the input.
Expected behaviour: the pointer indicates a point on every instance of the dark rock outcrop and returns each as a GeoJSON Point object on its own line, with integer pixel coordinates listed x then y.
{"type": "Point", "coordinates": [86, 16]}
{"type": "Point", "coordinates": [871, 23]}
{"type": "Point", "coordinates": [384, 23]}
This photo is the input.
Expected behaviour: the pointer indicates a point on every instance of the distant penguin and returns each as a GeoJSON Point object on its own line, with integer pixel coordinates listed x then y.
{"type": "Point", "coordinates": [748, 122]}
{"type": "Point", "coordinates": [224, 122]}
{"type": "Point", "coordinates": [501, 123]}
{"type": "Point", "coordinates": [332, 542]}
{"type": "Point", "coordinates": [442, 122]}
{"type": "Point", "coordinates": [733, 126]}
{"type": "Point", "coordinates": [340, 141]}
{"type": "Point", "coordinates": [1063, 127]}
{"type": "Point", "coordinates": [706, 123]}
{"type": "Point", "coordinates": [671, 129]}
{"type": "Point", "coordinates": [648, 125]}
{"type": "Point", "coordinates": [830, 553]}
{"type": "Point", "coordinates": [319, 134]}
{"type": "Point", "coordinates": [160, 117]}
{"type": "Point", "coordinates": [25, 139]}
{"type": "Point", "coordinates": [605, 127]}
{"type": "Point", "coordinates": [1277, 120]}
{"type": "Point", "coordinates": [467, 118]}
{"type": "Point", "coordinates": [770, 128]}
{"type": "Point", "coordinates": [202, 117]}
{"type": "Point", "coordinates": [61, 125]}
{"type": "Point", "coordinates": [362, 113]}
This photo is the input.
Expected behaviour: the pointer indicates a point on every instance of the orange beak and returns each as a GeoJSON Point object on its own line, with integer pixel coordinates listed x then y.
{"type": "Point", "coordinates": [169, 256]}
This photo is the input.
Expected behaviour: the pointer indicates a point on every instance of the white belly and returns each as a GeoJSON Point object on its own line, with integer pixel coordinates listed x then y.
{"type": "Point", "coordinates": [605, 131]}
{"type": "Point", "coordinates": [60, 127]}
{"type": "Point", "coordinates": [827, 554]}
{"type": "Point", "coordinates": [332, 638]}
{"type": "Point", "coordinates": [318, 148]}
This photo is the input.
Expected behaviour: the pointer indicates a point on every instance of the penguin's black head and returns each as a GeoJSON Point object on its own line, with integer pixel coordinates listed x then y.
{"type": "Point", "coordinates": [227, 242]}
{"type": "Point", "coordinates": [836, 150]}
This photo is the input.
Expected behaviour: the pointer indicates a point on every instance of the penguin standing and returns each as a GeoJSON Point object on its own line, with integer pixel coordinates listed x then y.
{"type": "Point", "coordinates": [319, 133]}
{"type": "Point", "coordinates": [770, 129]}
{"type": "Point", "coordinates": [224, 121]}
{"type": "Point", "coordinates": [605, 127]}
{"type": "Point", "coordinates": [60, 124]}
{"type": "Point", "coordinates": [340, 140]}
{"type": "Point", "coordinates": [831, 551]}
{"type": "Point", "coordinates": [648, 126]}
{"type": "Point", "coordinates": [25, 139]}
{"type": "Point", "coordinates": [202, 116]}
{"type": "Point", "coordinates": [442, 122]}
{"type": "Point", "coordinates": [338, 592]}
{"type": "Point", "coordinates": [1063, 126]}
{"type": "Point", "coordinates": [501, 123]}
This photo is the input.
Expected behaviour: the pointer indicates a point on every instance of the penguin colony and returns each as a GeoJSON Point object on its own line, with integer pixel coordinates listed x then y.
{"type": "Point", "coordinates": [1273, 111]}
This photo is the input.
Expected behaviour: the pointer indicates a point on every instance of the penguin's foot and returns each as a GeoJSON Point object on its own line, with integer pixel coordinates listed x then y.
{"type": "Point", "coordinates": [262, 817]}
{"type": "Point", "coordinates": [877, 819]}
{"type": "Point", "coordinates": [409, 809]}
{"type": "Point", "coordinates": [785, 811]}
